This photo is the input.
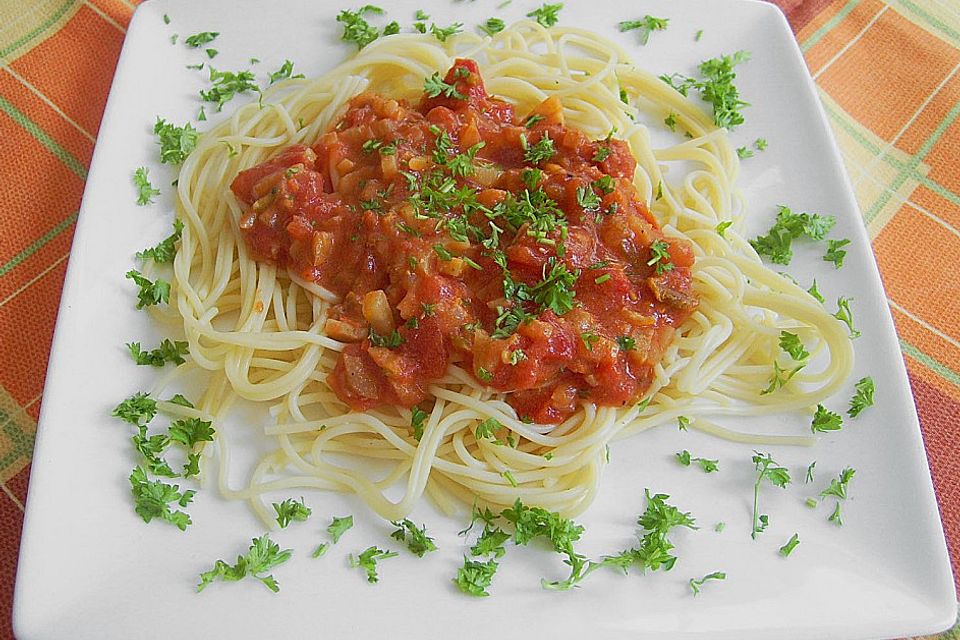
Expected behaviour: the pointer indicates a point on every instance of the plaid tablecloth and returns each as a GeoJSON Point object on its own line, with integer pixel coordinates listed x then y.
{"type": "Point", "coordinates": [887, 74]}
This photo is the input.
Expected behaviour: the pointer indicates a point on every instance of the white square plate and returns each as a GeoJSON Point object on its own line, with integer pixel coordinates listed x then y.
{"type": "Point", "coordinates": [91, 569]}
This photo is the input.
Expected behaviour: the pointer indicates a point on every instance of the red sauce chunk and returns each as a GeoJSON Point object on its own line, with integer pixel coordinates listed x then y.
{"type": "Point", "coordinates": [455, 232]}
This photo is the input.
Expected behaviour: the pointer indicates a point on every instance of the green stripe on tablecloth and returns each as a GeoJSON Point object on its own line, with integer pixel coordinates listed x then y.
{"type": "Point", "coordinates": [34, 129]}
{"type": "Point", "coordinates": [930, 362]}
{"type": "Point", "coordinates": [938, 189]}
{"type": "Point", "coordinates": [911, 167]}
{"type": "Point", "coordinates": [818, 35]}
{"type": "Point", "coordinates": [22, 442]}
{"type": "Point", "coordinates": [38, 244]}
{"type": "Point", "coordinates": [932, 20]}
{"type": "Point", "coordinates": [49, 22]}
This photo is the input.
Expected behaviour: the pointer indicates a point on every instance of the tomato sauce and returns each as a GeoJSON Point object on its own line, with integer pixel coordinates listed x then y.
{"type": "Point", "coordinates": [455, 231]}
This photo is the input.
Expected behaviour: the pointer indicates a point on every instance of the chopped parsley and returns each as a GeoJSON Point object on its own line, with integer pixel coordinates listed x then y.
{"type": "Point", "coordinates": [588, 198]}
{"type": "Point", "coordinates": [168, 351]}
{"type": "Point", "coordinates": [290, 510]}
{"type": "Point", "coordinates": [537, 153]}
{"type": "Point", "coordinates": [474, 577]}
{"type": "Point", "coordinates": [838, 485]}
{"type": "Point", "coordinates": [708, 466]}
{"type": "Point", "coordinates": [492, 26]}
{"type": "Point", "coordinates": [788, 548]}
{"type": "Point", "coordinates": [789, 226]}
{"type": "Point", "coordinates": [227, 84]}
{"type": "Point", "coordinates": [546, 15]}
{"type": "Point", "coordinates": [488, 429]}
{"type": "Point", "coordinates": [781, 377]}
{"type": "Point", "coordinates": [154, 499]}
{"type": "Point", "coordinates": [793, 346]}
{"type": "Point", "coordinates": [190, 431]}
{"type": "Point", "coordinates": [418, 418]}
{"type": "Point", "coordinates": [863, 398]}
{"type": "Point", "coordinates": [435, 86]}
{"type": "Point", "coordinates": [355, 27]}
{"type": "Point", "coordinates": [138, 409]}
{"type": "Point", "coordinates": [626, 343]}
{"type": "Point", "coordinates": [145, 190]}
{"type": "Point", "coordinates": [197, 40]}
{"type": "Point", "coordinates": [767, 469]}
{"type": "Point", "coordinates": [716, 87]}
{"type": "Point", "coordinates": [722, 227]}
{"type": "Point", "coordinates": [671, 121]}
{"type": "Point", "coordinates": [367, 560]}
{"type": "Point", "coordinates": [284, 72]}
{"type": "Point", "coordinates": [813, 291]}
{"type": "Point", "coordinates": [824, 420]}
{"type": "Point", "coordinates": [150, 293]}
{"type": "Point", "coordinates": [419, 542]}
{"type": "Point", "coordinates": [660, 256]}
{"type": "Point", "coordinates": [166, 249]}
{"type": "Point", "coordinates": [442, 34]}
{"type": "Point", "coordinates": [696, 584]}
{"type": "Point", "coordinates": [176, 143]}
{"type": "Point", "coordinates": [838, 490]}
{"type": "Point", "coordinates": [338, 526]}
{"type": "Point", "coordinates": [845, 315]}
{"type": "Point", "coordinates": [263, 555]}
{"type": "Point", "coordinates": [744, 152]}
{"type": "Point", "coordinates": [390, 341]}
{"type": "Point", "coordinates": [645, 26]}
{"type": "Point", "coordinates": [835, 252]}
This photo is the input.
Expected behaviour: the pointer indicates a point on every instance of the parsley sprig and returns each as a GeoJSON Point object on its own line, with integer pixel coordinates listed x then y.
{"type": "Point", "coordinates": [789, 226]}
{"type": "Point", "coordinates": [264, 554]}
{"type": "Point", "coordinates": [291, 510]}
{"type": "Point", "coordinates": [644, 26]}
{"type": "Point", "coordinates": [716, 87]}
{"type": "Point", "coordinates": [176, 143]}
{"type": "Point", "coordinates": [863, 398]}
{"type": "Point", "coordinates": [166, 249]}
{"type": "Point", "coordinates": [145, 190]}
{"type": "Point", "coordinates": [547, 15]}
{"type": "Point", "coordinates": [150, 293]}
{"type": "Point", "coordinates": [415, 537]}
{"type": "Point", "coordinates": [168, 351]}
{"type": "Point", "coordinates": [355, 27]}
{"type": "Point", "coordinates": [767, 469]}
{"type": "Point", "coordinates": [367, 560]}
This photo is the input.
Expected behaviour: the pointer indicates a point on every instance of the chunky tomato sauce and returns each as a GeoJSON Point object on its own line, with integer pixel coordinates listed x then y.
{"type": "Point", "coordinates": [456, 232]}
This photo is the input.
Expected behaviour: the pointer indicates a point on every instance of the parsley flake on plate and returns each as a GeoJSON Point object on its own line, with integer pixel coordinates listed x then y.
{"type": "Point", "coordinates": [263, 555]}
{"type": "Point", "coordinates": [176, 143]}
{"type": "Point", "coordinates": [415, 537]}
{"type": "Point", "coordinates": [863, 398]}
{"type": "Point", "coordinates": [767, 469]}
{"type": "Point", "coordinates": [355, 27]}
{"type": "Point", "coordinates": [168, 351]}
{"type": "Point", "coordinates": [150, 292]}
{"type": "Point", "coordinates": [367, 560]}
{"type": "Point", "coordinates": [166, 249]}
{"type": "Point", "coordinates": [696, 584]}
{"type": "Point", "coordinates": [290, 510]}
{"type": "Point", "coordinates": [154, 499]}
{"type": "Point", "coordinates": [145, 190]}
{"type": "Point", "coordinates": [547, 15]}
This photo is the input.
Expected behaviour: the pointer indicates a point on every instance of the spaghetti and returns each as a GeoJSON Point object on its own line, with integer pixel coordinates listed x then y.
{"type": "Point", "coordinates": [259, 332]}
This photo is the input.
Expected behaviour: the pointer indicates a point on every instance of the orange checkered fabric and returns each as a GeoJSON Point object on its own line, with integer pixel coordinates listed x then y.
{"type": "Point", "coordinates": [887, 72]}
